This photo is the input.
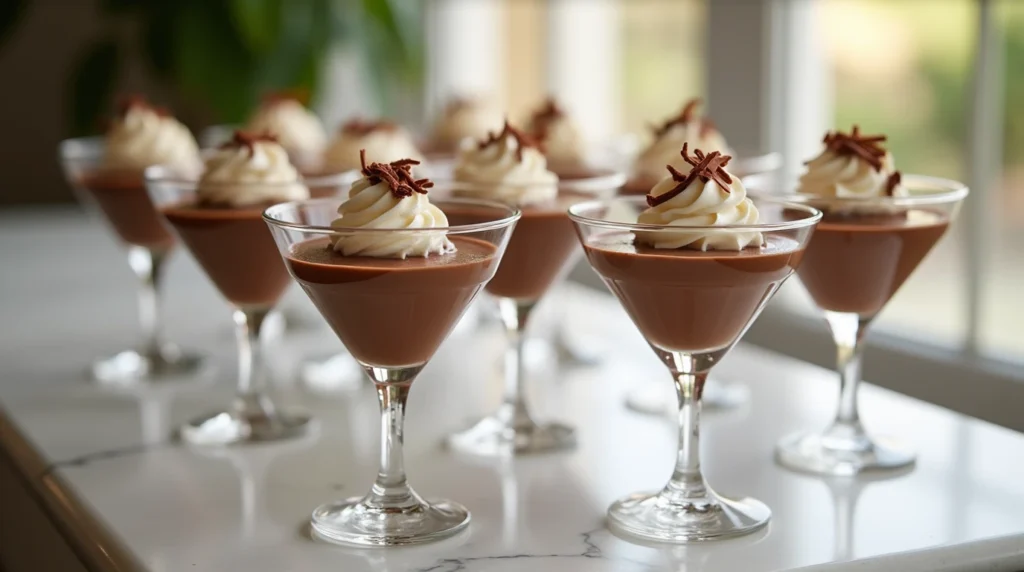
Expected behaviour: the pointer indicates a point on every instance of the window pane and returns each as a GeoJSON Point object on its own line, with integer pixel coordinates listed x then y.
{"type": "Point", "coordinates": [903, 69]}
{"type": "Point", "coordinates": [1002, 327]}
{"type": "Point", "coordinates": [662, 58]}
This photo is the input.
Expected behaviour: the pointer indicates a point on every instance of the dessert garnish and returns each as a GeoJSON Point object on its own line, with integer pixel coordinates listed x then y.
{"type": "Point", "coordinates": [359, 126]}
{"type": "Point", "coordinates": [523, 140]}
{"type": "Point", "coordinates": [892, 182]}
{"type": "Point", "coordinates": [685, 116]}
{"type": "Point", "coordinates": [545, 117]}
{"type": "Point", "coordinates": [709, 167]}
{"type": "Point", "coordinates": [396, 174]}
{"type": "Point", "coordinates": [867, 147]}
{"type": "Point", "coordinates": [248, 140]}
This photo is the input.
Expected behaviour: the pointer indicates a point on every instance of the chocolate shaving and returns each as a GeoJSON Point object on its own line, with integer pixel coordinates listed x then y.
{"type": "Point", "coordinates": [248, 140]}
{"type": "Point", "coordinates": [542, 119]}
{"type": "Point", "coordinates": [135, 101]}
{"type": "Point", "coordinates": [397, 175]}
{"type": "Point", "coordinates": [687, 115]}
{"type": "Point", "coordinates": [867, 147]}
{"type": "Point", "coordinates": [892, 182]}
{"type": "Point", "coordinates": [523, 140]}
{"type": "Point", "coordinates": [361, 127]}
{"type": "Point", "coordinates": [708, 167]}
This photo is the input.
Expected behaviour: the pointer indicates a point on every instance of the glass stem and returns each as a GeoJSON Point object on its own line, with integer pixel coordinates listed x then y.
{"type": "Point", "coordinates": [253, 401]}
{"type": "Point", "coordinates": [148, 265]}
{"type": "Point", "coordinates": [687, 484]}
{"type": "Point", "coordinates": [846, 431]}
{"type": "Point", "coordinates": [513, 412]}
{"type": "Point", "coordinates": [391, 489]}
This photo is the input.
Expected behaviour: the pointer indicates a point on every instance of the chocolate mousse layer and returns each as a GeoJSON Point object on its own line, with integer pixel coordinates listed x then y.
{"type": "Point", "coordinates": [235, 248]}
{"type": "Point", "coordinates": [856, 263]}
{"type": "Point", "coordinates": [123, 199]}
{"type": "Point", "coordinates": [541, 245]}
{"type": "Point", "coordinates": [688, 300]}
{"type": "Point", "coordinates": [392, 312]}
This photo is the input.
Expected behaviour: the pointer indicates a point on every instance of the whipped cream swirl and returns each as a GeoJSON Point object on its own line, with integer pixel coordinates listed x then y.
{"type": "Point", "coordinates": [296, 128]}
{"type": "Point", "coordinates": [840, 176]}
{"type": "Point", "coordinates": [508, 167]}
{"type": "Point", "coordinates": [469, 118]}
{"type": "Point", "coordinates": [686, 127]}
{"type": "Point", "coordinates": [387, 197]}
{"type": "Point", "coordinates": [558, 133]}
{"type": "Point", "coordinates": [703, 201]}
{"type": "Point", "coordinates": [250, 170]}
{"type": "Point", "coordinates": [383, 142]}
{"type": "Point", "coordinates": [143, 136]}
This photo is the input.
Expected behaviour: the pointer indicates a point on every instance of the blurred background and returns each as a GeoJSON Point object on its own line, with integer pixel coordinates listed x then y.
{"type": "Point", "coordinates": [943, 78]}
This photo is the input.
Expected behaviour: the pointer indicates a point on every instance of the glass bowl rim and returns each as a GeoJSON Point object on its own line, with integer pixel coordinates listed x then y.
{"type": "Point", "coordinates": [161, 174]}
{"type": "Point", "coordinates": [813, 216]}
{"type": "Point", "coordinates": [269, 216]}
{"type": "Point", "coordinates": [948, 191]}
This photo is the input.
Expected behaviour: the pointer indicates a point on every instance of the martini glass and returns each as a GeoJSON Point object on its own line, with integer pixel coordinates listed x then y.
{"type": "Point", "coordinates": [691, 307]}
{"type": "Point", "coordinates": [238, 254]}
{"type": "Point", "coordinates": [540, 252]}
{"type": "Point", "coordinates": [863, 251]}
{"type": "Point", "coordinates": [120, 198]}
{"type": "Point", "coordinates": [392, 314]}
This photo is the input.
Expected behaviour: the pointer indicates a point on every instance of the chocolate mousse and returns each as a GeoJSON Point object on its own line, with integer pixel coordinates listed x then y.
{"type": "Point", "coordinates": [685, 127]}
{"type": "Point", "coordinates": [392, 296]}
{"type": "Point", "coordinates": [508, 166]}
{"type": "Point", "coordinates": [223, 225]}
{"type": "Point", "coordinates": [142, 135]}
{"type": "Point", "coordinates": [696, 289]}
{"type": "Point", "coordinates": [864, 248]}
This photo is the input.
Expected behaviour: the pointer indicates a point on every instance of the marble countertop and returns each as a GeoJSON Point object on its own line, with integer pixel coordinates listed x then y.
{"type": "Point", "coordinates": [104, 465]}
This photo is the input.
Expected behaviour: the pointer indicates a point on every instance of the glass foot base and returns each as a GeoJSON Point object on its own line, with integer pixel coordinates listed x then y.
{"type": "Point", "coordinates": [353, 521]}
{"type": "Point", "coordinates": [651, 517]}
{"type": "Point", "coordinates": [339, 372]}
{"type": "Point", "coordinates": [232, 427]}
{"type": "Point", "coordinates": [491, 437]}
{"type": "Point", "coordinates": [817, 454]}
{"type": "Point", "coordinates": [133, 368]}
{"type": "Point", "coordinates": [661, 400]}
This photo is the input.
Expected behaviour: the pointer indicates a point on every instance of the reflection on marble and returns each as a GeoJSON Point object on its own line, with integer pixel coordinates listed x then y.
{"type": "Point", "coordinates": [174, 509]}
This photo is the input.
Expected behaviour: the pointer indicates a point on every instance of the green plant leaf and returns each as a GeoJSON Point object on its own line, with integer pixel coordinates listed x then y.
{"type": "Point", "coordinates": [10, 14]}
{"type": "Point", "coordinates": [258, 21]}
{"type": "Point", "coordinates": [211, 63]}
{"type": "Point", "coordinates": [92, 86]}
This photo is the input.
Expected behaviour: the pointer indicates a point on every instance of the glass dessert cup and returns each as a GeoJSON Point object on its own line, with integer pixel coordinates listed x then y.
{"type": "Point", "coordinates": [120, 198]}
{"type": "Point", "coordinates": [540, 252]}
{"type": "Point", "coordinates": [392, 314]}
{"type": "Point", "coordinates": [238, 254]}
{"type": "Point", "coordinates": [691, 307]}
{"type": "Point", "coordinates": [862, 252]}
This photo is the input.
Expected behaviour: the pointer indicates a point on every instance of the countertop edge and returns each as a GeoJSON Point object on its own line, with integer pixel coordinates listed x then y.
{"type": "Point", "coordinates": [91, 540]}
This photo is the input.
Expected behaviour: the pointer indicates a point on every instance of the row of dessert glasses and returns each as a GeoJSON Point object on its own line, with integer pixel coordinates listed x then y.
{"type": "Point", "coordinates": [687, 357]}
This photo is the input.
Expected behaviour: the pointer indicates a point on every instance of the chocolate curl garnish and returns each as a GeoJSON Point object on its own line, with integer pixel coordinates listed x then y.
{"type": "Point", "coordinates": [708, 167]}
{"type": "Point", "coordinates": [132, 101]}
{"type": "Point", "coordinates": [396, 174]}
{"type": "Point", "coordinates": [298, 95]}
{"type": "Point", "coordinates": [248, 140]}
{"type": "Point", "coordinates": [523, 141]}
{"type": "Point", "coordinates": [544, 118]}
{"type": "Point", "coordinates": [687, 115]}
{"type": "Point", "coordinates": [361, 127]}
{"type": "Point", "coordinates": [892, 182]}
{"type": "Point", "coordinates": [867, 147]}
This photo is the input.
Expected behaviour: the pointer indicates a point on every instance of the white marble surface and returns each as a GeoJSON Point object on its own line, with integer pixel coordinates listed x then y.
{"type": "Point", "coordinates": [66, 296]}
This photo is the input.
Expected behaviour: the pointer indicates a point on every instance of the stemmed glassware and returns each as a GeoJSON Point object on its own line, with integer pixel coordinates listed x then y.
{"type": "Point", "coordinates": [391, 314]}
{"type": "Point", "coordinates": [691, 307]}
{"type": "Point", "coordinates": [863, 251]}
{"type": "Point", "coordinates": [121, 198]}
{"type": "Point", "coordinates": [238, 254]}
